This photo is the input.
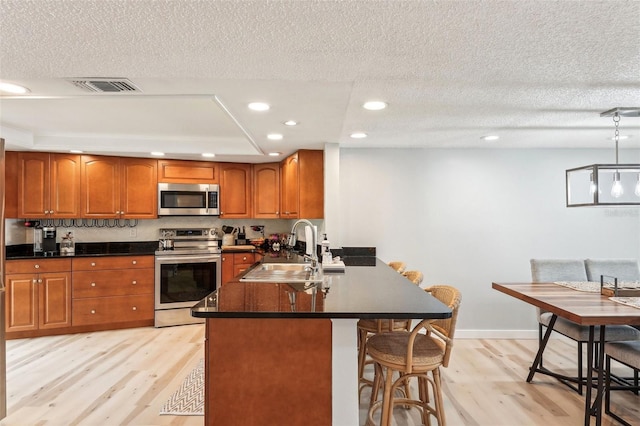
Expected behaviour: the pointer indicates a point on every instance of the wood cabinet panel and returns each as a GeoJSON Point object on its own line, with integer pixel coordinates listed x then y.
{"type": "Point", "coordinates": [266, 191]}
{"type": "Point", "coordinates": [65, 186]}
{"type": "Point", "coordinates": [112, 262]}
{"type": "Point", "coordinates": [54, 299]}
{"type": "Point", "coordinates": [235, 263]}
{"type": "Point", "coordinates": [227, 268]}
{"type": "Point", "coordinates": [21, 310]}
{"type": "Point", "coordinates": [11, 185]}
{"type": "Point", "coordinates": [100, 187]}
{"type": "Point", "coordinates": [25, 266]}
{"type": "Point", "coordinates": [139, 189]}
{"type": "Point", "coordinates": [107, 310]}
{"type": "Point", "coordinates": [112, 283]}
{"type": "Point", "coordinates": [302, 185]}
{"type": "Point", "coordinates": [235, 191]}
{"type": "Point", "coordinates": [33, 184]}
{"type": "Point", "coordinates": [289, 194]}
{"type": "Point", "coordinates": [176, 171]}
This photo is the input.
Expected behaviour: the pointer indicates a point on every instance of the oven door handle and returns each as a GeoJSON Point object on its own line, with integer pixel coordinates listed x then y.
{"type": "Point", "coordinates": [188, 258]}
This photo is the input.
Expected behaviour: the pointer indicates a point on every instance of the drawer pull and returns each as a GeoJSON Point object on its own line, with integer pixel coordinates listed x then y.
{"type": "Point", "coordinates": [36, 266]}
{"type": "Point", "coordinates": [93, 311]}
{"type": "Point", "coordinates": [135, 262]}
{"type": "Point", "coordinates": [40, 281]}
{"type": "Point", "coordinates": [34, 281]}
{"type": "Point", "coordinates": [244, 258]}
{"type": "Point", "coordinates": [93, 284]}
{"type": "Point", "coordinates": [93, 263]}
{"type": "Point", "coordinates": [134, 308]}
{"type": "Point", "coordinates": [134, 282]}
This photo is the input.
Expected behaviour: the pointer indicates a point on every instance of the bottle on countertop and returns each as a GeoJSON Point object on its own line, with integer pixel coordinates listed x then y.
{"type": "Point", "coordinates": [326, 252]}
{"type": "Point", "coordinates": [67, 245]}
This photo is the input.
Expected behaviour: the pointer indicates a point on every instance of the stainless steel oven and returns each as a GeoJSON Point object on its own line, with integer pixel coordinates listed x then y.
{"type": "Point", "coordinates": [187, 269]}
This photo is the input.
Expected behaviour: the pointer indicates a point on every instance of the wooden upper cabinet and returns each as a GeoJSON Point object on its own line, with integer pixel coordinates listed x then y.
{"type": "Point", "coordinates": [302, 185]}
{"type": "Point", "coordinates": [177, 171]}
{"type": "Point", "coordinates": [48, 185]}
{"type": "Point", "coordinates": [266, 191]}
{"type": "Point", "coordinates": [235, 191]}
{"type": "Point", "coordinates": [11, 185]}
{"type": "Point", "coordinates": [289, 195]}
{"type": "Point", "coordinates": [114, 187]}
{"type": "Point", "coordinates": [139, 192]}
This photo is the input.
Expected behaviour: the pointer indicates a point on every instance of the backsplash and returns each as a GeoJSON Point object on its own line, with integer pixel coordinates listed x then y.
{"type": "Point", "coordinates": [147, 230]}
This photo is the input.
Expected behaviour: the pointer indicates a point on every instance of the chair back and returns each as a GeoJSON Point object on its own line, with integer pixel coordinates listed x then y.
{"type": "Point", "coordinates": [398, 266]}
{"type": "Point", "coordinates": [550, 270]}
{"type": "Point", "coordinates": [622, 269]}
{"type": "Point", "coordinates": [415, 277]}
{"type": "Point", "coordinates": [444, 329]}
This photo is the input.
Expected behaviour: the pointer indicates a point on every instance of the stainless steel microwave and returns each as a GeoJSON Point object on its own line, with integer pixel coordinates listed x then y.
{"type": "Point", "coordinates": [188, 199]}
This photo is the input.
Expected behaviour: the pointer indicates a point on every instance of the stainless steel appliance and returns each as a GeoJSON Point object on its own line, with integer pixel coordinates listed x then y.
{"type": "Point", "coordinates": [188, 267]}
{"type": "Point", "coordinates": [49, 246]}
{"type": "Point", "coordinates": [185, 199]}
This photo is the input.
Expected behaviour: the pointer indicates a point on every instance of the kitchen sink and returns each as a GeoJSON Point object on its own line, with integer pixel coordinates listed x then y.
{"type": "Point", "coordinates": [282, 273]}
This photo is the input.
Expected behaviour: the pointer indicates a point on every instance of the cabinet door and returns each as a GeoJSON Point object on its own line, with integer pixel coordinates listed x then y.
{"type": "Point", "coordinates": [11, 185]}
{"type": "Point", "coordinates": [179, 171]}
{"type": "Point", "coordinates": [139, 188]}
{"type": "Point", "coordinates": [33, 185]}
{"type": "Point", "coordinates": [242, 262]}
{"type": "Point", "coordinates": [235, 191]}
{"type": "Point", "coordinates": [289, 195]}
{"type": "Point", "coordinates": [64, 201]}
{"type": "Point", "coordinates": [266, 191]}
{"type": "Point", "coordinates": [227, 268]}
{"type": "Point", "coordinates": [54, 300]}
{"type": "Point", "coordinates": [21, 307]}
{"type": "Point", "coordinates": [311, 184]}
{"type": "Point", "coordinates": [100, 187]}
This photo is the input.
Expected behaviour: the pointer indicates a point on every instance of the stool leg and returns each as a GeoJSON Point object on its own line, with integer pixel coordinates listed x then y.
{"type": "Point", "coordinates": [387, 399]}
{"type": "Point", "coordinates": [377, 378]}
{"type": "Point", "coordinates": [438, 397]}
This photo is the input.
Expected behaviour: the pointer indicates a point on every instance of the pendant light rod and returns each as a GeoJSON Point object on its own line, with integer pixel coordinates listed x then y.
{"type": "Point", "coordinates": [622, 111]}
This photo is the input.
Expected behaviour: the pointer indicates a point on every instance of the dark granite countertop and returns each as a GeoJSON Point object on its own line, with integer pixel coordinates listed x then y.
{"type": "Point", "coordinates": [373, 290]}
{"type": "Point", "coordinates": [25, 251]}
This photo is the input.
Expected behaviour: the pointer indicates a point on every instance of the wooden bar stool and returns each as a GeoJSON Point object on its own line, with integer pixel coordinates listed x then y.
{"type": "Point", "coordinates": [413, 354]}
{"type": "Point", "coordinates": [398, 266]}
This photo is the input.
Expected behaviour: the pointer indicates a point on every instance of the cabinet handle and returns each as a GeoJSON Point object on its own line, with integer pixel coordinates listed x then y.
{"type": "Point", "coordinates": [134, 308]}
{"type": "Point", "coordinates": [34, 281]}
{"type": "Point", "coordinates": [93, 263]}
{"type": "Point", "coordinates": [135, 262]}
{"type": "Point", "coordinates": [244, 257]}
{"type": "Point", "coordinates": [134, 282]}
{"type": "Point", "coordinates": [36, 266]}
{"type": "Point", "coordinates": [40, 281]}
{"type": "Point", "coordinates": [93, 311]}
{"type": "Point", "coordinates": [93, 284]}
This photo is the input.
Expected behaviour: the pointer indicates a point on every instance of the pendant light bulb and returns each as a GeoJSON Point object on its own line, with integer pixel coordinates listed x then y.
{"type": "Point", "coordinates": [637, 191]}
{"type": "Point", "coordinates": [616, 189]}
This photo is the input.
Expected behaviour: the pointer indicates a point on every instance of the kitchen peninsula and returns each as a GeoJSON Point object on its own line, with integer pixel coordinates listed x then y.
{"type": "Point", "coordinates": [286, 353]}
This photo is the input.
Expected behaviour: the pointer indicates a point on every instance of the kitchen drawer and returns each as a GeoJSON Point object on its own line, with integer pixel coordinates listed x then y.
{"type": "Point", "coordinates": [107, 310]}
{"type": "Point", "coordinates": [37, 266]}
{"type": "Point", "coordinates": [112, 262]}
{"type": "Point", "coordinates": [123, 282]}
{"type": "Point", "coordinates": [244, 258]}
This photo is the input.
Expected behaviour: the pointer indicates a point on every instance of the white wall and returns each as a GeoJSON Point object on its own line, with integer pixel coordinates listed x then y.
{"type": "Point", "coordinates": [470, 217]}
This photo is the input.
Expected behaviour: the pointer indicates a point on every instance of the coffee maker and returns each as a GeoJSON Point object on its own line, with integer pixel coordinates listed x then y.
{"type": "Point", "coordinates": [49, 247]}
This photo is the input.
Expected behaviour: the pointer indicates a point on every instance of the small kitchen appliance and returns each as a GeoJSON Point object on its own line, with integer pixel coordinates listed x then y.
{"type": "Point", "coordinates": [49, 241]}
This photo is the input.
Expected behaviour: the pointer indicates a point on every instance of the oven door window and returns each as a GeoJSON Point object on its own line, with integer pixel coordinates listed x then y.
{"type": "Point", "coordinates": [186, 282]}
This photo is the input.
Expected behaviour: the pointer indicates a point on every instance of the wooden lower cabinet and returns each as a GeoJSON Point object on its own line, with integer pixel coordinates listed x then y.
{"type": "Point", "coordinates": [234, 264]}
{"type": "Point", "coordinates": [268, 372]}
{"type": "Point", "coordinates": [113, 289]}
{"type": "Point", "coordinates": [38, 295]}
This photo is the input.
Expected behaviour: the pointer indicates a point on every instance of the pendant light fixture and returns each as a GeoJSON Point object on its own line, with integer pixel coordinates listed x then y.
{"type": "Point", "coordinates": [606, 184]}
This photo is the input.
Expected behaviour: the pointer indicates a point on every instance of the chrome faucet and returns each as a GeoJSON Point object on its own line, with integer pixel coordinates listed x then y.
{"type": "Point", "coordinates": [314, 238]}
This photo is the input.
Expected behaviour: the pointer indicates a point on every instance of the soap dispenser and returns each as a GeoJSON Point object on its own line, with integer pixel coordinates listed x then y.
{"type": "Point", "coordinates": [327, 258]}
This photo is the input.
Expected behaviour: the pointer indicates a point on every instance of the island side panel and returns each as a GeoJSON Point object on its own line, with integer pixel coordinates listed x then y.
{"type": "Point", "coordinates": [268, 372]}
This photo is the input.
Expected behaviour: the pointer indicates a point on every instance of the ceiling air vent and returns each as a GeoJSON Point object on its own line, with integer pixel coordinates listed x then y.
{"type": "Point", "coordinates": [104, 85]}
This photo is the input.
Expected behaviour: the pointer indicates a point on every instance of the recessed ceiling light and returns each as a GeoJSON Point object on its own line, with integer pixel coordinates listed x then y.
{"type": "Point", "coordinates": [157, 154]}
{"type": "Point", "coordinates": [208, 154]}
{"type": "Point", "coordinates": [75, 151]}
{"type": "Point", "coordinates": [275, 154]}
{"type": "Point", "coordinates": [358, 135]}
{"type": "Point", "coordinates": [490, 138]}
{"type": "Point", "coordinates": [275, 136]}
{"type": "Point", "coordinates": [290, 123]}
{"type": "Point", "coordinates": [259, 106]}
{"type": "Point", "coordinates": [13, 88]}
{"type": "Point", "coordinates": [374, 105]}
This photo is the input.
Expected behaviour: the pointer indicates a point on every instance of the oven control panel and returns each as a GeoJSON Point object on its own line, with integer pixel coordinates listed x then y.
{"type": "Point", "coordinates": [189, 233]}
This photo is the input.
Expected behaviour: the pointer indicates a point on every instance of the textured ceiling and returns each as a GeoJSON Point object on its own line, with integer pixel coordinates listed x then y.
{"type": "Point", "coordinates": [536, 73]}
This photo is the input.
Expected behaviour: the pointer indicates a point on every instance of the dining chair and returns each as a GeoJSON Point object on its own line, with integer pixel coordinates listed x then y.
{"type": "Point", "coordinates": [414, 354]}
{"type": "Point", "coordinates": [552, 270]}
{"type": "Point", "coordinates": [367, 327]}
{"type": "Point", "coordinates": [628, 354]}
{"type": "Point", "coordinates": [622, 269]}
{"type": "Point", "coordinates": [398, 266]}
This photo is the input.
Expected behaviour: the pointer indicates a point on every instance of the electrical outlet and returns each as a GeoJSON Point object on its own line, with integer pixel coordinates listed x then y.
{"type": "Point", "coordinates": [133, 232]}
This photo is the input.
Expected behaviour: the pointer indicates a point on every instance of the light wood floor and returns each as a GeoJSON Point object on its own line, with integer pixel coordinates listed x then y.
{"type": "Point", "coordinates": [124, 377]}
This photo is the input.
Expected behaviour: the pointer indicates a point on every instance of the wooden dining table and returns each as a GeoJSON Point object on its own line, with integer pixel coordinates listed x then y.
{"type": "Point", "coordinates": [584, 308]}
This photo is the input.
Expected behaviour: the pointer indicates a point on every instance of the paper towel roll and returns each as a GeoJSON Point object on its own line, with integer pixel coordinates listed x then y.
{"type": "Point", "coordinates": [308, 238]}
